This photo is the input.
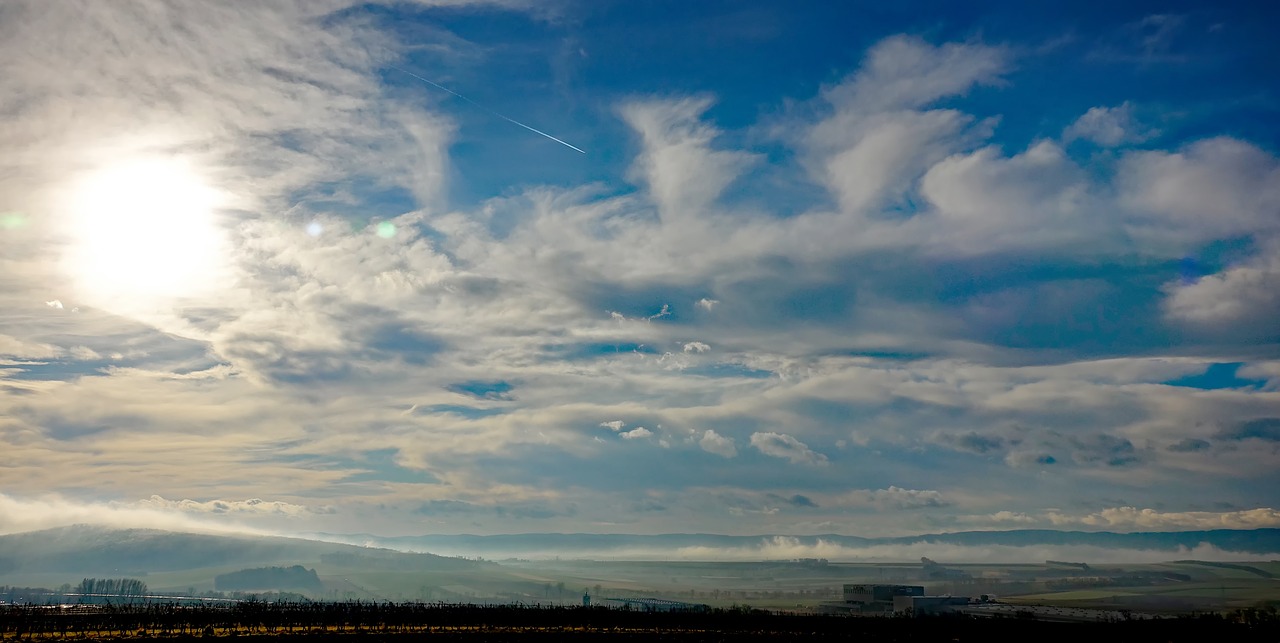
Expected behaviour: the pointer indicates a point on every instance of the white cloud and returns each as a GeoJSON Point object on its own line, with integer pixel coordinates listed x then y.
{"type": "Point", "coordinates": [875, 144]}
{"type": "Point", "coordinates": [665, 311]}
{"type": "Point", "coordinates": [713, 442]}
{"type": "Point", "coordinates": [905, 72]}
{"type": "Point", "coordinates": [1242, 301]}
{"type": "Point", "coordinates": [781, 445]}
{"type": "Point", "coordinates": [1109, 127]}
{"type": "Point", "coordinates": [889, 152]}
{"type": "Point", "coordinates": [893, 498]}
{"type": "Point", "coordinates": [696, 347]}
{"type": "Point", "coordinates": [14, 347]}
{"type": "Point", "coordinates": [45, 512]}
{"type": "Point", "coordinates": [636, 433]}
{"type": "Point", "coordinates": [683, 173]}
{"type": "Point", "coordinates": [1015, 517]}
{"type": "Point", "coordinates": [83, 353]}
{"type": "Point", "coordinates": [615, 425]}
{"type": "Point", "coordinates": [984, 202]}
{"type": "Point", "coordinates": [1263, 370]}
{"type": "Point", "coordinates": [1210, 189]}
{"type": "Point", "coordinates": [1133, 518]}
{"type": "Point", "coordinates": [707, 304]}
{"type": "Point", "coordinates": [250, 506]}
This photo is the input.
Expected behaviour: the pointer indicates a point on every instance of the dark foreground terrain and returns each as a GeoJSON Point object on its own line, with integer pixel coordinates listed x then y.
{"type": "Point", "coordinates": [345, 622]}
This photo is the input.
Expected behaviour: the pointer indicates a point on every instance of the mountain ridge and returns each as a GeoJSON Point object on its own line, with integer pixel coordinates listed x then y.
{"type": "Point", "coordinates": [1252, 541]}
{"type": "Point", "coordinates": [90, 550]}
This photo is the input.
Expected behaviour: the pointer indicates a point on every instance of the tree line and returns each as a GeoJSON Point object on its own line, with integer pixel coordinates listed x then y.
{"type": "Point", "coordinates": [507, 622]}
{"type": "Point", "coordinates": [112, 587]}
{"type": "Point", "coordinates": [86, 589]}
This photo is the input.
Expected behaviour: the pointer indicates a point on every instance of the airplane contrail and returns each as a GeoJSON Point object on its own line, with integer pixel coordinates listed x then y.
{"type": "Point", "coordinates": [505, 118]}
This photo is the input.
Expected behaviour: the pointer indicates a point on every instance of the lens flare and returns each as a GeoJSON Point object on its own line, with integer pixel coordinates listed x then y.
{"type": "Point", "coordinates": [12, 221]}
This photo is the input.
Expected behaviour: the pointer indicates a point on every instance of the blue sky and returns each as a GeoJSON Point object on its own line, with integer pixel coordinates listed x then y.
{"type": "Point", "coordinates": [866, 270]}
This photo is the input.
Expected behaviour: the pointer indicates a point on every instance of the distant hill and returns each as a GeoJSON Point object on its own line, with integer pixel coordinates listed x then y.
{"type": "Point", "coordinates": [296, 577]}
{"type": "Point", "coordinates": [1243, 541]}
{"type": "Point", "coordinates": [87, 551]}
{"type": "Point", "coordinates": [1253, 541]}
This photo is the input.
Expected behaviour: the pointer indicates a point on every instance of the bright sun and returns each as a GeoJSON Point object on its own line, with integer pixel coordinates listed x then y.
{"type": "Point", "coordinates": [144, 232]}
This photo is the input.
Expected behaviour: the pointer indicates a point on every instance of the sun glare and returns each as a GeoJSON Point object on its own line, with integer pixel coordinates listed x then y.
{"type": "Point", "coordinates": [143, 232]}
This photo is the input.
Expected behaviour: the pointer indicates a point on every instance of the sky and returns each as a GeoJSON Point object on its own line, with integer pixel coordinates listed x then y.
{"type": "Point", "coordinates": [872, 269]}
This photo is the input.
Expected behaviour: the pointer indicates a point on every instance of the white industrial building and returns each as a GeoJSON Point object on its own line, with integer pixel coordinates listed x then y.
{"type": "Point", "coordinates": [879, 600]}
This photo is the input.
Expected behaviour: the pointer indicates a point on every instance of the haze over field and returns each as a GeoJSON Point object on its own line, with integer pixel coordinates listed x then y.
{"type": "Point", "coordinates": [1171, 571]}
{"type": "Point", "coordinates": [605, 267]}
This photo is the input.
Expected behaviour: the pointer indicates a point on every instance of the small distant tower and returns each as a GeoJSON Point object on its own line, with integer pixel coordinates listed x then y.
{"type": "Point", "coordinates": [586, 599]}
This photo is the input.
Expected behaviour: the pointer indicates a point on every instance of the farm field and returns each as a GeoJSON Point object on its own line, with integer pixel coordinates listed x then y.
{"type": "Point", "coordinates": [1174, 586]}
{"type": "Point", "coordinates": [1185, 586]}
{"type": "Point", "coordinates": [1228, 594]}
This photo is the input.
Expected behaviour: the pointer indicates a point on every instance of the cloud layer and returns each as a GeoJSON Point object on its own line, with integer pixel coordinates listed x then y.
{"type": "Point", "coordinates": [863, 303]}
